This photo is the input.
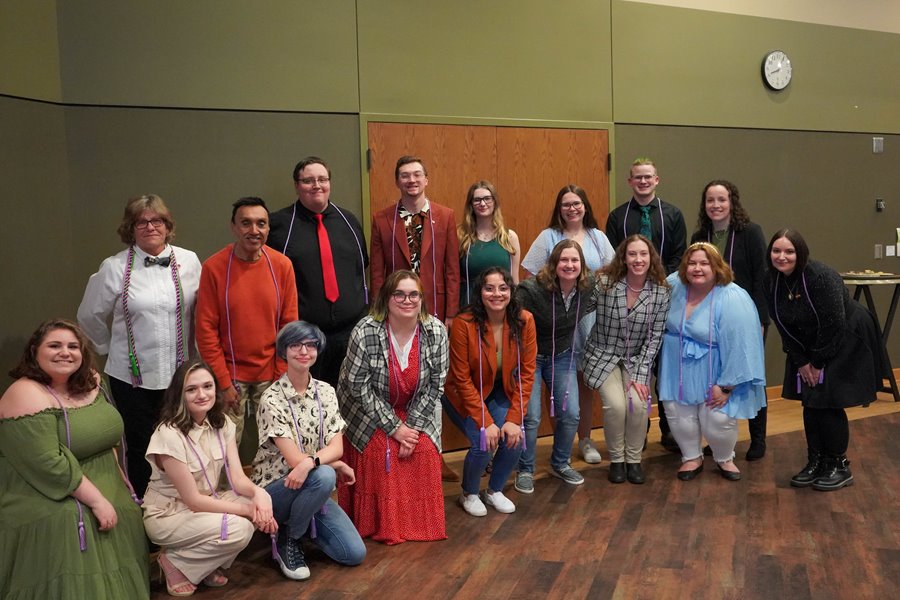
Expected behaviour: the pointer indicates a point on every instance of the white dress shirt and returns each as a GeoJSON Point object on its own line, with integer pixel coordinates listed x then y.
{"type": "Point", "coordinates": [152, 305]}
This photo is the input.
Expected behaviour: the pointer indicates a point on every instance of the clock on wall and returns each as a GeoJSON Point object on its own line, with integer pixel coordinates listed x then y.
{"type": "Point", "coordinates": [776, 70]}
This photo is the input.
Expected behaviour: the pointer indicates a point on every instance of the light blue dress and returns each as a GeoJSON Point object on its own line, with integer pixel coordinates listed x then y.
{"type": "Point", "coordinates": [732, 351]}
{"type": "Point", "coordinates": [598, 253]}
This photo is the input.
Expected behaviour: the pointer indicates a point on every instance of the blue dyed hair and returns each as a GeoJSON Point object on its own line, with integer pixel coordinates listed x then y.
{"type": "Point", "coordinates": [296, 332]}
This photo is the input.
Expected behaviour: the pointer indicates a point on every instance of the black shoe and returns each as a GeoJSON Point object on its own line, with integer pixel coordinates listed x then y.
{"type": "Point", "coordinates": [707, 451]}
{"type": "Point", "coordinates": [835, 475]}
{"type": "Point", "coordinates": [811, 472]}
{"type": "Point", "coordinates": [729, 475]}
{"type": "Point", "coordinates": [756, 450]}
{"type": "Point", "coordinates": [616, 472]}
{"type": "Point", "coordinates": [634, 473]}
{"type": "Point", "coordinates": [688, 475]}
{"type": "Point", "coordinates": [668, 442]}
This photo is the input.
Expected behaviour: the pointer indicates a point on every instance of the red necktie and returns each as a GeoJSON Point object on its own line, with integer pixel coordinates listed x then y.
{"type": "Point", "coordinates": [328, 276]}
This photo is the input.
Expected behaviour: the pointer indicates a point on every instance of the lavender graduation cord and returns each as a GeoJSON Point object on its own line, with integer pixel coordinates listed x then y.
{"type": "Point", "coordinates": [223, 535]}
{"type": "Point", "coordinates": [783, 328]}
{"type": "Point", "coordinates": [393, 361]}
{"type": "Point", "coordinates": [712, 297]}
{"type": "Point", "coordinates": [565, 404]}
{"type": "Point", "coordinates": [433, 252]}
{"type": "Point", "coordinates": [662, 224]}
{"type": "Point", "coordinates": [731, 252]}
{"type": "Point", "coordinates": [521, 395]}
{"type": "Point", "coordinates": [234, 382]}
{"type": "Point", "coordinates": [323, 510]}
{"type": "Point", "coordinates": [362, 260]}
{"type": "Point", "coordinates": [648, 340]}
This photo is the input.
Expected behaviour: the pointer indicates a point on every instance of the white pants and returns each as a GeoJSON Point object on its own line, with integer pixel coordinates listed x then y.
{"type": "Point", "coordinates": [624, 426]}
{"type": "Point", "coordinates": [692, 422]}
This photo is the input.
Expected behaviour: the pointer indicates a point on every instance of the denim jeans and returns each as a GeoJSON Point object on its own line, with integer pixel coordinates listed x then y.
{"type": "Point", "coordinates": [335, 533]}
{"type": "Point", "coordinates": [505, 458]}
{"type": "Point", "coordinates": [566, 419]}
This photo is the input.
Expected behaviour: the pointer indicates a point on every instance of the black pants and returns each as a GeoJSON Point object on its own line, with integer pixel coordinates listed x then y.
{"type": "Point", "coordinates": [827, 430]}
{"type": "Point", "coordinates": [139, 408]}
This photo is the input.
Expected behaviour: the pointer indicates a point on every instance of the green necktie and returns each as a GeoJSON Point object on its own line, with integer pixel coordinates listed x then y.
{"type": "Point", "coordinates": [646, 229]}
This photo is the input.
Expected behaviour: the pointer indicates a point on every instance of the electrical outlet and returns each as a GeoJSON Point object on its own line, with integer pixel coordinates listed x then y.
{"type": "Point", "coordinates": [877, 145]}
{"type": "Point", "coordinates": [879, 251]}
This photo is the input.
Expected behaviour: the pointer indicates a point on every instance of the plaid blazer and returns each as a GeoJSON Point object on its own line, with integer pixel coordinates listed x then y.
{"type": "Point", "coordinates": [615, 328]}
{"type": "Point", "coordinates": [363, 385]}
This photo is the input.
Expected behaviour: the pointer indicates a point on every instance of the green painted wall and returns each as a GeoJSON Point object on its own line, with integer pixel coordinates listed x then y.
{"type": "Point", "coordinates": [824, 184]}
{"type": "Point", "coordinates": [687, 67]}
{"type": "Point", "coordinates": [37, 215]}
{"type": "Point", "coordinates": [261, 55]}
{"type": "Point", "coordinates": [529, 59]}
{"type": "Point", "coordinates": [29, 51]}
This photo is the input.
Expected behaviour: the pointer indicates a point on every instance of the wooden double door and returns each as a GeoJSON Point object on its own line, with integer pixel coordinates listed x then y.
{"type": "Point", "coordinates": [527, 165]}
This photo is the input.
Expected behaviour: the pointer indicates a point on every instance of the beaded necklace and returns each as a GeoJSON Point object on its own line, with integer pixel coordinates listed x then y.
{"type": "Point", "coordinates": [136, 379]}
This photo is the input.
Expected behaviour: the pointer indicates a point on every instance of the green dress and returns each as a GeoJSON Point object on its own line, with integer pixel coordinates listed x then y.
{"type": "Point", "coordinates": [481, 257]}
{"type": "Point", "coordinates": [40, 556]}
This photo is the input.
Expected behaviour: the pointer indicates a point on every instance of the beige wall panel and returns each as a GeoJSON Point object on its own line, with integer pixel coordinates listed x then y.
{"type": "Point", "coordinates": [680, 66]}
{"type": "Point", "coordinates": [200, 162]}
{"type": "Point", "coordinates": [823, 184]}
{"type": "Point", "coordinates": [29, 52]}
{"type": "Point", "coordinates": [37, 236]}
{"type": "Point", "coordinates": [266, 55]}
{"type": "Point", "coordinates": [525, 59]}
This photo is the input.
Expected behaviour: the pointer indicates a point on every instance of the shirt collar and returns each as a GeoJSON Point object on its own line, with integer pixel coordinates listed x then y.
{"type": "Point", "coordinates": [197, 431]}
{"type": "Point", "coordinates": [404, 212]}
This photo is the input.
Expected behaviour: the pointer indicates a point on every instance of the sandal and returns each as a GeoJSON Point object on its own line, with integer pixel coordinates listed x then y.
{"type": "Point", "coordinates": [215, 579]}
{"type": "Point", "coordinates": [182, 585]}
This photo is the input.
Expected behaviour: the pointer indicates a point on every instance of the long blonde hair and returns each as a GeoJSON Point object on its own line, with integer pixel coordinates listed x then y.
{"type": "Point", "coordinates": [466, 230]}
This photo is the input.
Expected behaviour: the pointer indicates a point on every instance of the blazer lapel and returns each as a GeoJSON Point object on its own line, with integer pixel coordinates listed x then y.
{"type": "Point", "coordinates": [399, 235]}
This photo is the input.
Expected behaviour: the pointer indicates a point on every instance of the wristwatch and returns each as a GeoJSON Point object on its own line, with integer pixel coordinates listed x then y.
{"type": "Point", "coordinates": [315, 460]}
{"type": "Point", "coordinates": [725, 390]}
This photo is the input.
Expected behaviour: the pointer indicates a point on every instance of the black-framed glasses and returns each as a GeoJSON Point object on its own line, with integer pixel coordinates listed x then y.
{"type": "Point", "coordinates": [571, 205]}
{"type": "Point", "coordinates": [314, 180]}
{"type": "Point", "coordinates": [309, 346]}
{"type": "Point", "coordinates": [145, 223]}
{"type": "Point", "coordinates": [483, 200]}
{"type": "Point", "coordinates": [413, 296]}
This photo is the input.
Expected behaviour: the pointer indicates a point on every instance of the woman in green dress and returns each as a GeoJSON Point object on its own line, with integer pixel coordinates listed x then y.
{"type": "Point", "coordinates": [484, 240]}
{"type": "Point", "coordinates": [69, 526]}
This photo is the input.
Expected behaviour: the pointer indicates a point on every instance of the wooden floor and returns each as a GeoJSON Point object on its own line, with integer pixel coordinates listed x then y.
{"type": "Point", "coordinates": [708, 538]}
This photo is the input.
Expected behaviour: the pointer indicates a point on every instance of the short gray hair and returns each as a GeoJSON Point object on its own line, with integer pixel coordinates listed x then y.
{"type": "Point", "coordinates": [296, 332]}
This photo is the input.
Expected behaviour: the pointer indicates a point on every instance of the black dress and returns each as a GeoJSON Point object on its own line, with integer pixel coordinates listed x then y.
{"type": "Point", "coordinates": [820, 324]}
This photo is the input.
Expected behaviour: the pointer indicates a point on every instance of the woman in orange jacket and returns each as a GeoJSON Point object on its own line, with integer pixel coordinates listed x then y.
{"type": "Point", "coordinates": [493, 349]}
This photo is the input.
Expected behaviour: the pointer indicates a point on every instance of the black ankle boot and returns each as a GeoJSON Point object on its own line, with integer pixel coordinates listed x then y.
{"type": "Point", "coordinates": [812, 471]}
{"type": "Point", "coordinates": [616, 472]}
{"type": "Point", "coordinates": [757, 426]}
{"type": "Point", "coordinates": [835, 475]}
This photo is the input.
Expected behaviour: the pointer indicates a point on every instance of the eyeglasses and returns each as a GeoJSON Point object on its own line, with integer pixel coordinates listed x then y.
{"type": "Point", "coordinates": [311, 346]}
{"type": "Point", "coordinates": [399, 296]}
{"type": "Point", "coordinates": [571, 205]}
{"type": "Point", "coordinates": [413, 175]}
{"type": "Point", "coordinates": [642, 177]}
{"type": "Point", "coordinates": [483, 200]}
{"type": "Point", "coordinates": [313, 180]}
{"type": "Point", "coordinates": [145, 223]}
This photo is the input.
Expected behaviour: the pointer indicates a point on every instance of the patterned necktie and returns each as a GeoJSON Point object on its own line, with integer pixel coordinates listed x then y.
{"type": "Point", "coordinates": [646, 229]}
{"type": "Point", "coordinates": [328, 276]}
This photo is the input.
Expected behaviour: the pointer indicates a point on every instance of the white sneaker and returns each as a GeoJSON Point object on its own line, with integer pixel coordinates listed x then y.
{"type": "Point", "coordinates": [500, 502]}
{"type": "Point", "coordinates": [589, 451]}
{"type": "Point", "coordinates": [472, 504]}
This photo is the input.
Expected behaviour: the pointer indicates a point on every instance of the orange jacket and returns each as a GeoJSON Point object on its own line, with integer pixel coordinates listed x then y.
{"type": "Point", "coordinates": [462, 380]}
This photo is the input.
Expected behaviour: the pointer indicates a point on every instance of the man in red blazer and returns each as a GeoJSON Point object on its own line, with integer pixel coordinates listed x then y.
{"type": "Point", "coordinates": [418, 235]}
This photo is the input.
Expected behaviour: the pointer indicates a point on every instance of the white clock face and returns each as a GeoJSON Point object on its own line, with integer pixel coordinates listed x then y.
{"type": "Point", "coordinates": [777, 70]}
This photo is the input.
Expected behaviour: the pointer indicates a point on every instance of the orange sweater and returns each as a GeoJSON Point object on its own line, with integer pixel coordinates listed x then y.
{"type": "Point", "coordinates": [254, 311]}
{"type": "Point", "coordinates": [462, 380]}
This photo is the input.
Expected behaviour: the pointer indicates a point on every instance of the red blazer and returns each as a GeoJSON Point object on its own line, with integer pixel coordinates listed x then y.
{"type": "Point", "coordinates": [390, 252]}
{"type": "Point", "coordinates": [462, 383]}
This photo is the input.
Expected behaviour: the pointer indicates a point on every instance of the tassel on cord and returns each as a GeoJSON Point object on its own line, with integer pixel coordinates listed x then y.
{"type": "Point", "coordinates": [822, 375]}
{"type": "Point", "coordinates": [483, 440]}
{"type": "Point", "coordinates": [387, 457]}
{"type": "Point", "coordinates": [524, 439]}
{"type": "Point", "coordinates": [275, 555]}
{"type": "Point", "coordinates": [799, 389]}
{"type": "Point", "coordinates": [552, 404]}
{"type": "Point", "coordinates": [224, 533]}
{"type": "Point", "coordinates": [565, 406]}
{"type": "Point", "coordinates": [312, 528]}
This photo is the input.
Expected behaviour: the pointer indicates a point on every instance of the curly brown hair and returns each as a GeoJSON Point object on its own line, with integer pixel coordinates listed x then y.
{"type": "Point", "coordinates": [739, 217]}
{"type": "Point", "coordinates": [81, 381]}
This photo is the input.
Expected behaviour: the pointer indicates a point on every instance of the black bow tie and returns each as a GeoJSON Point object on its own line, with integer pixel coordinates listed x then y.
{"type": "Point", "coordinates": [162, 261]}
